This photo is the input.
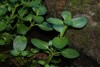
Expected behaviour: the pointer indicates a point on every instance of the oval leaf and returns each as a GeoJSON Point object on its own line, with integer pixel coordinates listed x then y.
{"type": "Point", "coordinates": [68, 22]}
{"type": "Point", "coordinates": [79, 22]}
{"type": "Point", "coordinates": [13, 1]}
{"type": "Point", "coordinates": [22, 12]}
{"type": "Point", "coordinates": [55, 21]}
{"type": "Point", "coordinates": [38, 1]}
{"type": "Point", "coordinates": [42, 62]}
{"type": "Point", "coordinates": [38, 19]}
{"type": "Point", "coordinates": [19, 43]}
{"type": "Point", "coordinates": [24, 53]}
{"type": "Point", "coordinates": [28, 17]}
{"type": "Point", "coordinates": [2, 25]}
{"type": "Point", "coordinates": [2, 42]}
{"type": "Point", "coordinates": [30, 4]}
{"type": "Point", "coordinates": [3, 10]}
{"type": "Point", "coordinates": [41, 10]}
{"type": "Point", "coordinates": [60, 28]}
{"type": "Point", "coordinates": [70, 53]}
{"type": "Point", "coordinates": [7, 38]}
{"type": "Point", "coordinates": [59, 42]}
{"type": "Point", "coordinates": [66, 15]}
{"type": "Point", "coordinates": [45, 26]}
{"type": "Point", "coordinates": [22, 29]}
{"type": "Point", "coordinates": [39, 43]}
{"type": "Point", "coordinates": [14, 53]}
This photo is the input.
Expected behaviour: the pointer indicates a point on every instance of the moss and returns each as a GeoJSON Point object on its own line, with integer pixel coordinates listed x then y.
{"type": "Point", "coordinates": [80, 37]}
{"type": "Point", "coordinates": [97, 35]}
{"type": "Point", "coordinates": [80, 6]}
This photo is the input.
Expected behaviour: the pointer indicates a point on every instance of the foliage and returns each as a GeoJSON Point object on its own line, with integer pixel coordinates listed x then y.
{"type": "Point", "coordinates": [17, 17]}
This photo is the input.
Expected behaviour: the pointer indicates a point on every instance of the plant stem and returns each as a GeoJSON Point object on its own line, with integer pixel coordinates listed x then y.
{"type": "Point", "coordinates": [51, 54]}
{"type": "Point", "coordinates": [11, 16]}
{"type": "Point", "coordinates": [63, 32]}
{"type": "Point", "coordinates": [32, 24]}
{"type": "Point", "coordinates": [50, 58]}
{"type": "Point", "coordinates": [14, 27]}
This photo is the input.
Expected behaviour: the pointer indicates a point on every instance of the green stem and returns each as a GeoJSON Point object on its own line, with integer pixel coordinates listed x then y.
{"type": "Point", "coordinates": [63, 32]}
{"type": "Point", "coordinates": [32, 24]}
{"type": "Point", "coordinates": [11, 16]}
{"type": "Point", "coordinates": [14, 27]}
{"type": "Point", "coordinates": [56, 53]}
{"type": "Point", "coordinates": [50, 58]}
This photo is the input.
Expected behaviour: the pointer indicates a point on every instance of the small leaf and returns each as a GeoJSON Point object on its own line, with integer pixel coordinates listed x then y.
{"type": "Point", "coordinates": [55, 21]}
{"type": "Point", "coordinates": [3, 10]}
{"type": "Point", "coordinates": [2, 42]}
{"type": "Point", "coordinates": [41, 10]}
{"type": "Point", "coordinates": [19, 43]}
{"type": "Point", "coordinates": [68, 22]}
{"type": "Point", "coordinates": [70, 53]}
{"type": "Point", "coordinates": [2, 25]}
{"type": "Point", "coordinates": [66, 15]}
{"type": "Point", "coordinates": [47, 65]}
{"type": "Point", "coordinates": [45, 26]}
{"type": "Point", "coordinates": [28, 17]}
{"type": "Point", "coordinates": [34, 50]}
{"type": "Point", "coordinates": [60, 28]}
{"type": "Point", "coordinates": [60, 42]}
{"type": "Point", "coordinates": [24, 53]}
{"type": "Point", "coordinates": [38, 19]}
{"type": "Point", "coordinates": [38, 1]}
{"type": "Point", "coordinates": [79, 22]}
{"type": "Point", "coordinates": [7, 38]}
{"type": "Point", "coordinates": [39, 44]}
{"type": "Point", "coordinates": [13, 1]}
{"type": "Point", "coordinates": [9, 8]}
{"type": "Point", "coordinates": [29, 4]}
{"type": "Point", "coordinates": [14, 52]}
{"type": "Point", "coordinates": [42, 62]}
{"type": "Point", "coordinates": [32, 3]}
{"type": "Point", "coordinates": [22, 12]}
{"type": "Point", "coordinates": [22, 29]}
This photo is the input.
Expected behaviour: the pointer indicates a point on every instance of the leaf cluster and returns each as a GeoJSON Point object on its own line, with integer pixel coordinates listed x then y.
{"type": "Point", "coordinates": [17, 17]}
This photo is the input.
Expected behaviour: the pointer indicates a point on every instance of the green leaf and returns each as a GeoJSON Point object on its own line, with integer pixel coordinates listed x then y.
{"type": "Point", "coordinates": [39, 44]}
{"type": "Point", "coordinates": [24, 53]}
{"type": "Point", "coordinates": [70, 53]}
{"type": "Point", "coordinates": [34, 50]}
{"type": "Point", "coordinates": [55, 21]}
{"type": "Point", "coordinates": [13, 1]}
{"type": "Point", "coordinates": [28, 17]}
{"type": "Point", "coordinates": [22, 29]}
{"type": "Point", "coordinates": [79, 22]}
{"type": "Point", "coordinates": [68, 22]}
{"type": "Point", "coordinates": [42, 62]}
{"type": "Point", "coordinates": [41, 10]}
{"type": "Point", "coordinates": [38, 19]}
{"type": "Point", "coordinates": [38, 1]}
{"type": "Point", "coordinates": [2, 25]}
{"type": "Point", "coordinates": [7, 38]}
{"type": "Point", "coordinates": [34, 3]}
{"type": "Point", "coordinates": [60, 28]}
{"type": "Point", "coordinates": [45, 26]}
{"type": "Point", "coordinates": [2, 42]}
{"type": "Point", "coordinates": [66, 15]}
{"type": "Point", "coordinates": [29, 4]}
{"type": "Point", "coordinates": [47, 65]}
{"type": "Point", "coordinates": [22, 12]}
{"type": "Point", "coordinates": [19, 43]}
{"type": "Point", "coordinates": [3, 10]}
{"type": "Point", "coordinates": [14, 53]}
{"type": "Point", "coordinates": [60, 42]}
